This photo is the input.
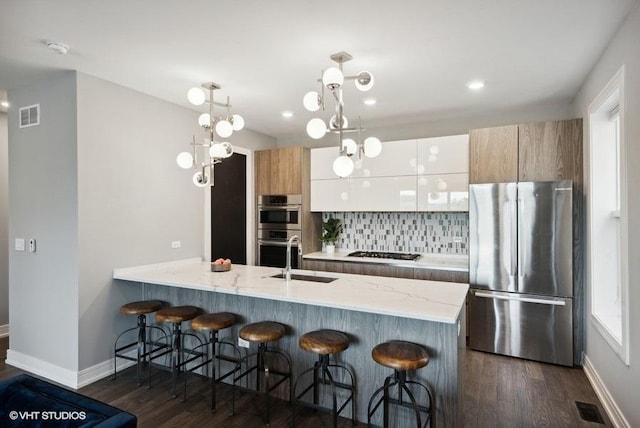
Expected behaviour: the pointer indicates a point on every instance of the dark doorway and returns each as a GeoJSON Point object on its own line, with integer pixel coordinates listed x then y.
{"type": "Point", "coordinates": [229, 210]}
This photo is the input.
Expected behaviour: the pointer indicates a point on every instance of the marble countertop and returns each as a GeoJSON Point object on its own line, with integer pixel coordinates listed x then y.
{"type": "Point", "coordinates": [452, 262]}
{"type": "Point", "coordinates": [408, 298]}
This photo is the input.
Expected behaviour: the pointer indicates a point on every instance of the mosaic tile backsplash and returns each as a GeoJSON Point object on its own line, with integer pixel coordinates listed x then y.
{"type": "Point", "coordinates": [422, 232]}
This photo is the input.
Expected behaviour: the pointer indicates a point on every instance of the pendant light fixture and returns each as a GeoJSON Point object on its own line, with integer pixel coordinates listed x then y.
{"type": "Point", "coordinates": [333, 80]}
{"type": "Point", "coordinates": [214, 151]}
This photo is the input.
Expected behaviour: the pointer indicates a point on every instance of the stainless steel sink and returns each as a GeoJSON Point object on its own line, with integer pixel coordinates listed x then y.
{"type": "Point", "coordinates": [312, 278]}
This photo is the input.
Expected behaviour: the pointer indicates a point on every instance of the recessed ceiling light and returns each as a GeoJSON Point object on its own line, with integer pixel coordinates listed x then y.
{"type": "Point", "coordinates": [5, 104]}
{"type": "Point", "coordinates": [370, 101]}
{"type": "Point", "coordinates": [475, 85]}
{"type": "Point", "coordinates": [287, 114]}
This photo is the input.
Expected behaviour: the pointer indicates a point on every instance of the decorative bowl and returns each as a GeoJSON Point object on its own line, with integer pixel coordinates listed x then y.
{"type": "Point", "coordinates": [220, 268]}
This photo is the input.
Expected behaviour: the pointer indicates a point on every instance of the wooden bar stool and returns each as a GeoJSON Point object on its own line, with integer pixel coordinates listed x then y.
{"type": "Point", "coordinates": [401, 356]}
{"type": "Point", "coordinates": [141, 309]}
{"type": "Point", "coordinates": [176, 315]}
{"type": "Point", "coordinates": [212, 324]}
{"type": "Point", "coordinates": [263, 333]}
{"type": "Point", "coordinates": [326, 343]}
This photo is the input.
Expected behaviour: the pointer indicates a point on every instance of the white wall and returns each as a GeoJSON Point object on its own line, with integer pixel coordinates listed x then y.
{"type": "Point", "coordinates": [98, 186]}
{"type": "Point", "coordinates": [43, 198]}
{"type": "Point", "coordinates": [133, 201]}
{"type": "Point", "coordinates": [622, 382]}
{"type": "Point", "coordinates": [4, 221]}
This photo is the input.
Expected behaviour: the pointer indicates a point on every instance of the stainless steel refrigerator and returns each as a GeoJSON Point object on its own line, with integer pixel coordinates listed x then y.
{"type": "Point", "coordinates": [521, 270]}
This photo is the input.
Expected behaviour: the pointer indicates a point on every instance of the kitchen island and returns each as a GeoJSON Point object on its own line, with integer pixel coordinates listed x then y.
{"type": "Point", "coordinates": [369, 309]}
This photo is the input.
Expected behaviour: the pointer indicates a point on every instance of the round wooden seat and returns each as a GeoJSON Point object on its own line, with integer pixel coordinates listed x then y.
{"type": "Point", "coordinates": [262, 332]}
{"type": "Point", "coordinates": [142, 307]}
{"type": "Point", "coordinates": [177, 314]}
{"type": "Point", "coordinates": [324, 342]}
{"type": "Point", "coordinates": [400, 355]}
{"type": "Point", "coordinates": [213, 322]}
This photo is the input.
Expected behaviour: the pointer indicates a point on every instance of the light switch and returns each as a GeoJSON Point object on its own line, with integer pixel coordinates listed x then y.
{"type": "Point", "coordinates": [19, 245]}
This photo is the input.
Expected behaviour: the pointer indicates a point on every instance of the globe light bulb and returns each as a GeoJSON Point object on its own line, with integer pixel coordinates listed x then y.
{"type": "Point", "coordinates": [311, 101]}
{"type": "Point", "coordinates": [185, 160]}
{"type": "Point", "coordinates": [237, 122]}
{"type": "Point", "coordinates": [200, 179]}
{"type": "Point", "coordinates": [343, 166]}
{"type": "Point", "coordinates": [224, 129]}
{"type": "Point", "coordinates": [442, 185]}
{"type": "Point", "coordinates": [316, 128]}
{"type": "Point", "coordinates": [332, 78]}
{"type": "Point", "coordinates": [217, 151]}
{"type": "Point", "coordinates": [350, 145]}
{"type": "Point", "coordinates": [364, 81]}
{"type": "Point", "coordinates": [434, 150]}
{"type": "Point", "coordinates": [196, 96]}
{"type": "Point", "coordinates": [372, 147]}
{"type": "Point", "coordinates": [333, 123]}
{"type": "Point", "coordinates": [204, 119]}
{"type": "Point", "coordinates": [228, 149]}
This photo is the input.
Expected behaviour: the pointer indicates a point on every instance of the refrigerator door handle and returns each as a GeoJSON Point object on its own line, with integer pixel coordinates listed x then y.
{"type": "Point", "coordinates": [550, 301]}
{"type": "Point", "coordinates": [521, 240]}
{"type": "Point", "coordinates": [514, 238]}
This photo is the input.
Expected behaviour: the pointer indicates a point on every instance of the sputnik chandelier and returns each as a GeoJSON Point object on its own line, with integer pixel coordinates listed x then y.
{"type": "Point", "coordinates": [214, 151]}
{"type": "Point", "coordinates": [332, 80]}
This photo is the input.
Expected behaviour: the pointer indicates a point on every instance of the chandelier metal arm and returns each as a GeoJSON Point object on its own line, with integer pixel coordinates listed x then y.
{"type": "Point", "coordinates": [333, 79]}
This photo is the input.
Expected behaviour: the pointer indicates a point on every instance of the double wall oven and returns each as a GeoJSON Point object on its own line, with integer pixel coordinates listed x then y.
{"type": "Point", "coordinates": [279, 218]}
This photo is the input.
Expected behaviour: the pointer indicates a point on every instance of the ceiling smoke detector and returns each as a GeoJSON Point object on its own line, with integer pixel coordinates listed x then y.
{"type": "Point", "coordinates": [60, 48]}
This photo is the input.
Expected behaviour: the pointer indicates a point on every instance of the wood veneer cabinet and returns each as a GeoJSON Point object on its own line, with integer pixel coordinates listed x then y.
{"type": "Point", "coordinates": [540, 151]}
{"type": "Point", "coordinates": [550, 151]}
{"type": "Point", "coordinates": [386, 270]}
{"type": "Point", "coordinates": [284, 171]}
{"type": "Point", "coordinates": [493, 155]}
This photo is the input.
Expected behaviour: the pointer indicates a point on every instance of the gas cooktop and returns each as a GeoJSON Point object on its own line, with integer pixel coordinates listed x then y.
{"type": "Point", "coordinates": [382, 255]}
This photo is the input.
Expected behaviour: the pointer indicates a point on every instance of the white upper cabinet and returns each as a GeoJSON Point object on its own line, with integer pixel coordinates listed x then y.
{"type": "Point", "coordinates": [322, 163]}
{"type": "Point", "coordinates": [428, 174]}
{"type": "Point", "coordinates": [383, 193]}
{"type": "Point", "coordinates": [443, 192]}
{"type": "Point", "coordinates": [443, 155]}
{"type": "Point", "coordinates": [330, 195]}
{"type": "Point", "coordinates": [397, 158]}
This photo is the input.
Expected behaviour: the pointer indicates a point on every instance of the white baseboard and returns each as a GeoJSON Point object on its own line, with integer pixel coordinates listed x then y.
{"type": "Point", "coordinates": [102, 370]}
{"type": "Point", "coordinates": [4, 330]}
{"type": "Point", "coordinates": [612, 409]}
{"type": "Point", "coordinates": [66, 377]}
{"type": "Point", "coordinates": [42, 368]}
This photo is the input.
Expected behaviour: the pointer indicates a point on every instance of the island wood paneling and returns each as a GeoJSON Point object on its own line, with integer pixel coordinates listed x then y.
{"type": "Point", "coordinates": [493, 155]}
{"type": "Point", "coordinates": [444, 373]}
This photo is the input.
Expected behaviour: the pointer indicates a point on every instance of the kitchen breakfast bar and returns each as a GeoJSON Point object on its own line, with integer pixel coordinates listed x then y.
{"type": "Point", "coordinates": [369, 309]}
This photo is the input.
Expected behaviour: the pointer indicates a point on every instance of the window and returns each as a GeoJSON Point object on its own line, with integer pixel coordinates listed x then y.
{"type": "Point", "coordinates": [607, 229]}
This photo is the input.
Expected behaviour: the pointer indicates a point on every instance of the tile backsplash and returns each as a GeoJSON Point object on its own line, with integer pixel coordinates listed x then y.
{"type": "Point", "coordinates": [422, 232]}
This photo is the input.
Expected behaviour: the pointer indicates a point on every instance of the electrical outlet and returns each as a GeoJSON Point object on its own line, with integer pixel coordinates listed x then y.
{"type": "Point", "coordinates": [243, 343]}
{"type": "Point", "coordinates": [176, 244]}
{"type": "Point", "coordinates": [32, 245]}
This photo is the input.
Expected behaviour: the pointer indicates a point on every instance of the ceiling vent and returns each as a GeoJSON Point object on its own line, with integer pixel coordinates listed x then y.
{"type": "Point", "coordinates": [30, 116]}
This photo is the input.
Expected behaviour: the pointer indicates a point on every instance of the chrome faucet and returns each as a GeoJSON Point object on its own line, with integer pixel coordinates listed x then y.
{"type": "Point", "coordinates": [286, 272]}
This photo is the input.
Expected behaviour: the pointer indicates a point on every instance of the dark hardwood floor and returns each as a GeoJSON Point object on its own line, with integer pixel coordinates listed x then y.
{"type": "Point", "coordinates": [499, 392]}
